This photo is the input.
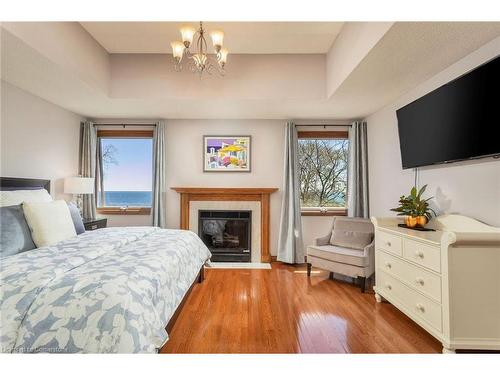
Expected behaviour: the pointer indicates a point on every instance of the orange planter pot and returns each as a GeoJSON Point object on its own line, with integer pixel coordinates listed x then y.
{"type": "Point", "coordinates": [411, 222]}
{"type": "Point", "coordinates": [421, 221]}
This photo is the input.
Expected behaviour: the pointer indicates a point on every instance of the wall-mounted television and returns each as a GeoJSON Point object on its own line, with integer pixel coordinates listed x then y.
{"type": "Point", "coordinates": [457, 121]}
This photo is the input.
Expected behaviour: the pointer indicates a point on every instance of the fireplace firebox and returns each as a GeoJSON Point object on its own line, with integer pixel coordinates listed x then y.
{"type": "Point", "coordinates": [227, 234]}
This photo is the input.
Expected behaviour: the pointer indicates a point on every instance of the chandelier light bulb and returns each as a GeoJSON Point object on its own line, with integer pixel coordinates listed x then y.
{"type": "Point", "coordinates": [217, 39]}
{"type": "Point", "coordinates": [187, 33]}
{"type": "Point", "coordinates": [223, 57]}
{"type": "Point", "coordinates": [177, 50]}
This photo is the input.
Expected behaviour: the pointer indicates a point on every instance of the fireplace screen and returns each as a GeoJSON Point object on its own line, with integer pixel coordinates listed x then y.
{"type": "Point", "coordinates": [227, 234]}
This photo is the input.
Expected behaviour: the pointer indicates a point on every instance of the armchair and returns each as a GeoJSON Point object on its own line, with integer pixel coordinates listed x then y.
{"type": "Point", "coordinates": [350, 251]}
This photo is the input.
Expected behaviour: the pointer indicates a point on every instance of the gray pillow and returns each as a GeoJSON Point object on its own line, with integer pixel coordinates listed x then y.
{"type": "Point", "coordinates": [15, 235]}
{"type": "Point", "coordinates": [350, 239]}
{"type": "Point", "coordinates": [76, 217]}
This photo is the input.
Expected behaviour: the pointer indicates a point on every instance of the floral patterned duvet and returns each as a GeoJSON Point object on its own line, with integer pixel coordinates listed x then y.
{"type": "Point", "coordinates": [109, 290]}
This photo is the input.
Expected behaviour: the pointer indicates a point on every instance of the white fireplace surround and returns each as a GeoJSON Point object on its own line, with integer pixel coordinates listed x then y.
{"type": "Point", "coordinates": [253, 206]}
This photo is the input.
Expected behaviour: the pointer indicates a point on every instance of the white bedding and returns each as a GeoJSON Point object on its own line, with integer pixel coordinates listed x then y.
{"type": "Point", "coordinates": [109, 290]}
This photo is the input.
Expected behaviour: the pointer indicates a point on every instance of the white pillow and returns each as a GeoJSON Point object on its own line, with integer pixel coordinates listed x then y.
{"type": "Point", "coordinates": [49, 222]}
{"type": "Point", "coordinates": [15, 197]}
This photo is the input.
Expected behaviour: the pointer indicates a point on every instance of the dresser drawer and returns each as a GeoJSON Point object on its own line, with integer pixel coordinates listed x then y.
{"type": "Point", "coordinates": [388, 242]}
{"type": "Point", "coordinates": [416, 304]}
{"type": "Point", "coordinates": [426, 255]}
{"type": "Point", "coordinates": [414, 276]}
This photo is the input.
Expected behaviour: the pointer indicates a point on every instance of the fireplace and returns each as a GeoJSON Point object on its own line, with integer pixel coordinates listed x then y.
{"type": "Point", "coordinates": [227, 234]}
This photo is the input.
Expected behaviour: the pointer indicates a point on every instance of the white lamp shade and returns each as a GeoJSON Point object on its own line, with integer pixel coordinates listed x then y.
{"type": "Point", "coordinates": [79, 185]}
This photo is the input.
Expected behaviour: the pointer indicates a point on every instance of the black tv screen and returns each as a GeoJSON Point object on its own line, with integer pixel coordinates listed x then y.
{"type": "Point", "coordinates": [460, 120]}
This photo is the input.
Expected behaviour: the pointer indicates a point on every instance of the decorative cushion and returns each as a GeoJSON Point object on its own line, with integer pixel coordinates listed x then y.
{"type": "Point", "coordinates": [340, 255]}
{"type": "Point", "coordinates": [14, 197]}
{"type": "Point", "coordinates": [350, 239]}
{"type": "Point", "coordinates": [15, 235]}
{"type": "Point", "coordinates": [76, 217]}
{"type": "Point", "coordinates": [49, 222]}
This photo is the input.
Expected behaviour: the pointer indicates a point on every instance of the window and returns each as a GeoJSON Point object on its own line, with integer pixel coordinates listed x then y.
{"type": "Point", "coordinates": [127, 171]}
{"type": "Point", "coordinates": [323, 172]}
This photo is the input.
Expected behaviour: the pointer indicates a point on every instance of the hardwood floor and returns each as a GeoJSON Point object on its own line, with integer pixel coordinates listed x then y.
{"type": "Point", "coordinates": [283, 311]}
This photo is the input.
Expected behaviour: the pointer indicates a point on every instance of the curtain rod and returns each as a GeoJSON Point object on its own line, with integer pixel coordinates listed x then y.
{"type": "Point", "coordinates": [324, 125]}
{"type": "Point", "coordinates": [124, 125]}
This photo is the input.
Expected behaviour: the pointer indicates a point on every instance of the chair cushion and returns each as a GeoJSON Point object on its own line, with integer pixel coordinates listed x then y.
{"type": "Point", "coordinates": [350, 239]}
{"type": "Point", "coordinates": [339, 254]}
{"type": "Point", "coordinates": [15, 235]}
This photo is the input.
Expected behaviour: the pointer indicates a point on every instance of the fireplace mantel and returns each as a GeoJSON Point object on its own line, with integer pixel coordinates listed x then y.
{"type": "Point", "coordinates": [261, 195]}
{"type": "Point", "coordinates": [202, 190]}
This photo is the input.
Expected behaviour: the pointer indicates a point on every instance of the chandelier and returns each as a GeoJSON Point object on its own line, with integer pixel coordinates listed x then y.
{"type": "Point", "coordinates": [199, 61]}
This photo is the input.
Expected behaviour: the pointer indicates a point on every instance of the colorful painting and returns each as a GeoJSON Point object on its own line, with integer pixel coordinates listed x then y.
{"type": "Point", "coordinates": [226, 154]}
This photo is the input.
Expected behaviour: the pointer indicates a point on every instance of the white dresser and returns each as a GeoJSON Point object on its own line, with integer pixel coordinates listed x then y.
{"type": "Point", "coordinates": [447, 281]}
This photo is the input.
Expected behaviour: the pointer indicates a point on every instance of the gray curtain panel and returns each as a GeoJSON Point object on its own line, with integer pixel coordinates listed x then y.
{"type": "Point", "coordinates": [159, 183]}
{"type": "Point", "coordinates": [88, 157]}
{"type": "Point", "coordinates": [357, 174]}
{"type": "Point", "coordinates": [290, 244]}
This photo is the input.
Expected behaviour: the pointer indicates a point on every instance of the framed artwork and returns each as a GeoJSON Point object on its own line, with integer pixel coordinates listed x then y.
{"type": "Point", "coordinates": [226, 153]}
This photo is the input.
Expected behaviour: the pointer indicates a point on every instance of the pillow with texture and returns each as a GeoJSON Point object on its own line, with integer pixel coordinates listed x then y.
{"type": "Point", "coordinates": [350, 239]}
{"type": "Point", "coordinates": [76, 217]}
{"type": "Point", "coordinates": [49, 222]}
{"type": "Point", "coordinates": [15, 235]}
{"type": "Point", "coordinates": [14, 197]}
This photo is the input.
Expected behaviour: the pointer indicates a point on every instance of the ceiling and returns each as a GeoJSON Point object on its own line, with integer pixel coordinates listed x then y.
{"type": "Point", "coordinates": [240, 37]}
{"type": "Point", "coordinates": [273, 86]}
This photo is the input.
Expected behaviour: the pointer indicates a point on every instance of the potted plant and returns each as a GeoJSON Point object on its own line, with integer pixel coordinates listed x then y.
{"type": "Point", "coordinates": [415, 208]}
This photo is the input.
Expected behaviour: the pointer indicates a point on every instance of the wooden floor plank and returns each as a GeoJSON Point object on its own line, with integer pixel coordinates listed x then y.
{"type": "Point", "coordinates": [283, 311]}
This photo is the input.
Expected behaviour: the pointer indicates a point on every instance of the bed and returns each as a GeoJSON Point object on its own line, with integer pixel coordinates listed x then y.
{"type": "Point", "coordinates": [112, 290]}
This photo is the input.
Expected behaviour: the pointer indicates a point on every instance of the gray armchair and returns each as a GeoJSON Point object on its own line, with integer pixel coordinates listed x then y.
{"type": "Point", "coordinates": [349, 251]}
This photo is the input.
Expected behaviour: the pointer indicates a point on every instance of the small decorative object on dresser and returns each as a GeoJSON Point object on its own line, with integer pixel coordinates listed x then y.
{"type": "Point", "coordinates": [415, 208]}
{"type": "Point", "coordinates": [446, 280]}
{"type": "Point", "coordinates": [93, 224]}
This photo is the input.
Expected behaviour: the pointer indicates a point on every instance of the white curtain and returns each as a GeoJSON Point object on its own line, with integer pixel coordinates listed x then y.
{"type": "Point", "coordinates": [159, 183]}
{"type": "Point", "coordinates": [88, 163]}
{"type": "Point", "coordinates": [357, 175]}
{"type": "Point", "coordinates": [290, 245]}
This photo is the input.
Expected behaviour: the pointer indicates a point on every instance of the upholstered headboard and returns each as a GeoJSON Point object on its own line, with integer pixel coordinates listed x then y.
{"type": "Point", "coordinates": [14, 183]}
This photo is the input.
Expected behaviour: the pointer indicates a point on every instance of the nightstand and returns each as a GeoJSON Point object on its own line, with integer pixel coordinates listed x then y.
{"type": "Point", "coordinates": [93, 224]}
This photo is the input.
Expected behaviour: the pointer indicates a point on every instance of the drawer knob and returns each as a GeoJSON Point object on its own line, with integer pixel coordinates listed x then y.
{"type": "Point", "coordinates": [420, 307]}
{"type": "Point", "coordinates": [388, 286]}
{"type": "Point", "coordinates": [419, 254]}
{"type": "Point", "coordinates": [388, 265]}
{"type": "Point", "coordinates": [388, 243]}
{"type": "Point", "coordinates": [419, 280]}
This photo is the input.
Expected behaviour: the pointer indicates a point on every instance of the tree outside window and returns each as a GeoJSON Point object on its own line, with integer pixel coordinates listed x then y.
{"type": "Point", "coordinates": [323, 171]}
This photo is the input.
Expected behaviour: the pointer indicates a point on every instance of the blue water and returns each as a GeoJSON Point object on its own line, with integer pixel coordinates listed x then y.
{"type": "Point", "coordinates": [129, 198]}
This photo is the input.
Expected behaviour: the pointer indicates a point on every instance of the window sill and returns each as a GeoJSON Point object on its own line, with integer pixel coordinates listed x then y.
{"type": "Point", "coordinates": [124, 211]}
{"type": "Point", "coordinates": [323, 213]}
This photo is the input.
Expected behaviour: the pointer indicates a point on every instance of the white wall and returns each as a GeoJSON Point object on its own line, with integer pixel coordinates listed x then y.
{"type": "Point", "coordinates": [470, 188]}
{"type": "Point", "coordinates": [38, 139]}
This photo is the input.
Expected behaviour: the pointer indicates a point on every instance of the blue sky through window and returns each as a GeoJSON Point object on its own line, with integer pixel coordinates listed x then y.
{"type": "Point", "coordinates": [131, 166]}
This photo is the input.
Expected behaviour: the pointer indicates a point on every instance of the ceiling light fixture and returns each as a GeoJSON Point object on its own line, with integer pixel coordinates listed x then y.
{"type": "Point", "coordinates": [200, 61]}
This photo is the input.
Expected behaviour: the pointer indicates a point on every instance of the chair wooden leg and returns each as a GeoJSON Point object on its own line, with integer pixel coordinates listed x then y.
{"type": "Point", "coordinates": [309, 267]}
{"type": "Point", "coordinates": [362, 282]}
